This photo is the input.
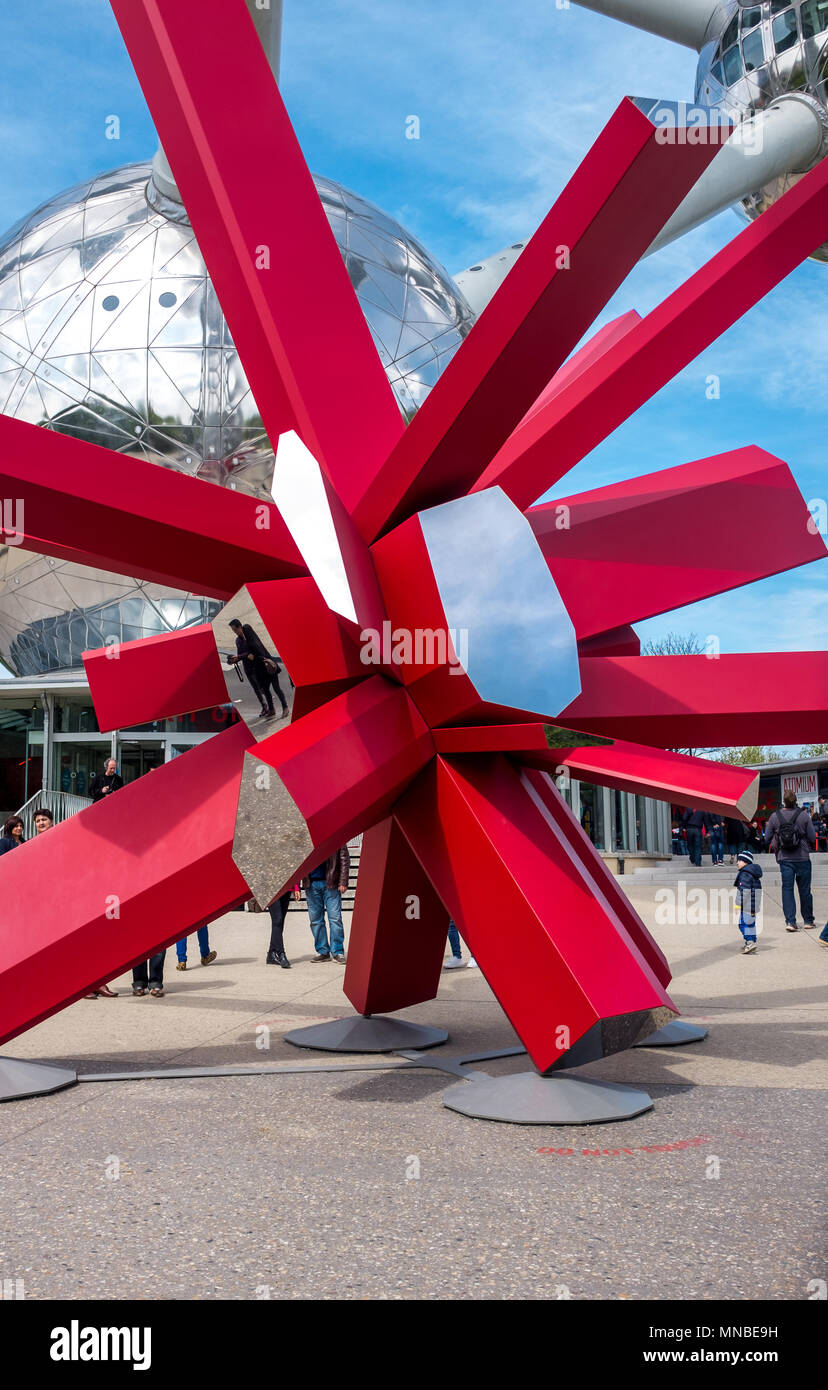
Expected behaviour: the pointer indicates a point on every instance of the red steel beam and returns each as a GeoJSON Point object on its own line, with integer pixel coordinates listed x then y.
{"type": "Point", "coordinates": [627, 187]}
{"type": "Point", "coordinates": [126, 515]}
{"type": "Point", "coordinates": [628, 552]}
{"type": "Point", "coordinates": [261, 228]}
{"type": "Point", "coordinates": [704, 702]}
{"type": "Point", "coordinates": [579, 417]}
{"type": "Point", "coordinates": [118, 881]}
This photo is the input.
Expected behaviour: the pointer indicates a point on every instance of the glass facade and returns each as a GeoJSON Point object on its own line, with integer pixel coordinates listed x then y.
{"type": "Point", "coordinates": [619, 823]}
{"type": "Point", "coordinates": [76, 749]}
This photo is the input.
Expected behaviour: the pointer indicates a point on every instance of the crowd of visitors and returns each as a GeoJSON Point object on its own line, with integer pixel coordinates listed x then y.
{"type": "Point", "coordinates": [792, 833]}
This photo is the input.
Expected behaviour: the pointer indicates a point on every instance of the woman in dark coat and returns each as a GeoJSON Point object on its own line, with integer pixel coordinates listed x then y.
{"type": "Point", "coordinates": [12, 834]}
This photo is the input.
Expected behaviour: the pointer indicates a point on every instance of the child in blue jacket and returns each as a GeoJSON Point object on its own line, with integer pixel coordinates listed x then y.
{"type": "Point", "coordinates": [749, 898]}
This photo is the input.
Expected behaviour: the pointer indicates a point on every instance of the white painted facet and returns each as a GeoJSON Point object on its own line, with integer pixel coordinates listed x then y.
{"type": "Point", "coordinates": [299, 492]}
{"type": "Point", "coordinates": [508, 622]}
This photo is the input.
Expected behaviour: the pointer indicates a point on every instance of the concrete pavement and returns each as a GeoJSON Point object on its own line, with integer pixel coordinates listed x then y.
{"type": "Point", "coordinates": [362, 1185]}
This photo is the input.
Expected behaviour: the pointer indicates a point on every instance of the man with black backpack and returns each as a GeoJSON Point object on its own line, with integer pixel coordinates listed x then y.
{"type": "Point", "coordinates": [789, 834]}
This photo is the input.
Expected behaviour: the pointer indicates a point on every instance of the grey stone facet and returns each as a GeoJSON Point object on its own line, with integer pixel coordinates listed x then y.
{"type": "Point", "coordinates": [271, 839]}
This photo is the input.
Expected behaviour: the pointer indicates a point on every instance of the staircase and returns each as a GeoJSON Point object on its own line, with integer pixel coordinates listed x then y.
{"type": "Point", "coordinates": [354, 849]}
{"type": "Point", "coordinates": [679, 867]}
{"type": "Point", "coordinates": [61, 804]}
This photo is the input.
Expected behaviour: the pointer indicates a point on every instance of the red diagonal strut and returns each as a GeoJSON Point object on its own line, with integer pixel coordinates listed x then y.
{"type": "Point", "coordinates": [704, 702]}
{"type": "Point", "coordinates": [95, 507]}
{"type": "Point", "coordinates": [262, 230]}
{"type": "Point", "coordinates": [595, 403]}
{"type": "Point", "coordinates": [628, 185]}
{"type": "Point", "coordinates": [627, 552]}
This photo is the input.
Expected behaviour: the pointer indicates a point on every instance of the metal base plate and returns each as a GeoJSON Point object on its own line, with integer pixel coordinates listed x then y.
{"type": "Point", "coordinates": [674, 1034]}
{"type": "Point", "coordinates": [526, 1098]}
{"type": "Point", "coordinates": [360, 1034]}
{"type": "Point", "coordinates": [20, 1079]}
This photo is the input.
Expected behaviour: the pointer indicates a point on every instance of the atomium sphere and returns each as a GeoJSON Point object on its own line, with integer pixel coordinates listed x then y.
{"type": "Point", "coordinates": [110, 330]}
{"type": "Point", "coordinates": [763, 52]}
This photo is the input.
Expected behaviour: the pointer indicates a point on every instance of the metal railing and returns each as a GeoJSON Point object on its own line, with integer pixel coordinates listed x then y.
{"type": "Point", "coordinates": [61, 804]}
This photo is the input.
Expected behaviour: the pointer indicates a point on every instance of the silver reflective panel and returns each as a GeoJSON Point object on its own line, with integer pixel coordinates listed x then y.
{"type": "Point", "coordinates": [110, 331]}
{"type": "Point", "coordinates": [761, 52]}
{"type": "Point", "coordinates": [248, 685]}
{"type": "Point", "coordinates": [507, 621]}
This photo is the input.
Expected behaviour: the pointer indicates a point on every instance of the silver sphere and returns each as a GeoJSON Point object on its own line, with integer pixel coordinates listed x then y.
{"type": "Point", "coordinates": [762, 52]}
{"type": "Point", "coordinates": [110, 330]}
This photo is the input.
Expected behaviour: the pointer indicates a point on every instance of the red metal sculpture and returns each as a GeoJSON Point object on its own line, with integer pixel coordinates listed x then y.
{"type": "Point", "coordinates": [441, 755]}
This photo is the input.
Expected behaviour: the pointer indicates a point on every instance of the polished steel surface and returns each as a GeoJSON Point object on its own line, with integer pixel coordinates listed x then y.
{"type": "Point", "coordinates": [240, 692]}
{"type": "Point", "coordinates": [507, 622]}
{"type": "Point", "coordinates": [110, 330]}
{"type": "Point", "coordinates": [759, 53]}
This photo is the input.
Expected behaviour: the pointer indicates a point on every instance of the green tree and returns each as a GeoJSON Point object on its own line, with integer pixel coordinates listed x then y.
{"type": "Point", "coordinates": [814, 750]}
{"type": "Point", "coordinates": [746, 757]}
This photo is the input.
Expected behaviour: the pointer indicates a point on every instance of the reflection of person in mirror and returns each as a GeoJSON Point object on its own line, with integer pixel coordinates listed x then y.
{"type": "Point", "coordinates": [261, 669]}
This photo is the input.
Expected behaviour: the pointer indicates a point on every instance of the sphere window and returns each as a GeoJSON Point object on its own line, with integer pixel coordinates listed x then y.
{"type": "Point", "coordinates": [731, 33]}
{"type": "Point", "coordinates": [717, 74]}
{"type": "Point", "coordinates": [167, 299]}
{"type": "Point", "coordinates": [753, 48]}
{"type": "Point", "coordinates": [785, 32]}
{"type": "Point", "coordinates": [110, 302]}
{"type": "Point", "coordinates": [732, 66]}
{"type": "Point", "coordinates": [814, 18]}
{"type": "Point", "coordinates": [750, 18]}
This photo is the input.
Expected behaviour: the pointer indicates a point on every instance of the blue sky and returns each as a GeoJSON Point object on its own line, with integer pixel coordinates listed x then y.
{"type": "Point", "coordinates": [509, 97]}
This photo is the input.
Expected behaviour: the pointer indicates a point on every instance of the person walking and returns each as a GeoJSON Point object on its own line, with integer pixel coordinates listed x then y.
{"type": "Point", "coordinates": [12, 834]}
{"type": "Point", "coordinates": [789, 834]}
{"type": "Point", "coordinates": [695, 823]}
{"type": "Point", "coordinates": [734, 837]}
{"type": "Point", "coordinates": [261, 669]}
{"type": "Point", "coordinates": [748, 887]}
{"type": "Point", "coordinates": [43, 820]}
{"type": "Point", "coordinates": [207, 956]}
{"type": "Point", "coordinates": [104, 783]}
{"type": "Point", "coordinates": [149, 975]}
{"type": "Point", "coordinates": [324, 887]}
{"type": "Point", "coordinates": [278, 912]}
{"type": "Point", "coordinates": [717, 830]}
{"type": "Point", "coordinates": [455, 960]}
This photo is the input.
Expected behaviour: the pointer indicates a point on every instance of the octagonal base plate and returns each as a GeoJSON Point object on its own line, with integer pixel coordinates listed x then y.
{"type": "Point", "coordinates": [526, 1098]}
{"type": "Point", "coordinates": [674, 1034]}
{"type": "Point", "coordinates": [361, 1034]}
{"type": "Point", "coordinates": [19, 1079]}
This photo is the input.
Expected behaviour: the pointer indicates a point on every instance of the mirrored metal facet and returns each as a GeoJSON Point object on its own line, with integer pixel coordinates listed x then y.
{"type": "Point", "coordinates": [506, 619]}
{"type": "Point", "coordinates": [248, 685]}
